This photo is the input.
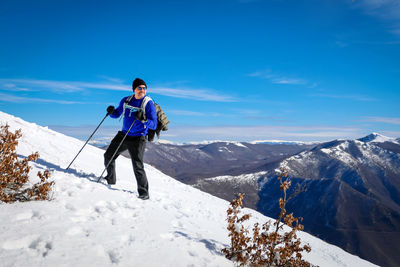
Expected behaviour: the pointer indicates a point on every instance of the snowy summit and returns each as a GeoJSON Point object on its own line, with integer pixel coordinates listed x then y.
{"type": "Point", "coordinates": [376, 138]}
{"type": "Point", "coordinates": [94, 224]}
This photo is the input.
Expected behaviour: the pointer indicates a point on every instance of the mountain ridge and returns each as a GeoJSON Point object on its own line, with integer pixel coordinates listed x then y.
{"type": "Point", "coordinates": [363, 181]}
{"type": "Point", "coordinates": [352, 194]}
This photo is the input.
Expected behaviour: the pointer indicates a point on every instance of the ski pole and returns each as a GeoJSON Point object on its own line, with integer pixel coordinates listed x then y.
{"type": "Point", "coordinates": [87, 140]}
{"type": "Point", "coordinates": [109, 162]}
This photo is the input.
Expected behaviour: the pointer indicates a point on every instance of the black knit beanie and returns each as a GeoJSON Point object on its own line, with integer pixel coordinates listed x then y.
{"type": "Point", "coordinates": [138, 82]}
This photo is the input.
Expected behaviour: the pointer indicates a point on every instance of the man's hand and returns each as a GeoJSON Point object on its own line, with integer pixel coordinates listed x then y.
{"type": "Point", "coordinates": [110, 110]}
{"type": "Point", "coordinates": [139, 115]}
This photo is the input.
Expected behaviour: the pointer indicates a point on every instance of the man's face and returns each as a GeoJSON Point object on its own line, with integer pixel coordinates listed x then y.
{"type": "Point", "coordinates": [140, 91]}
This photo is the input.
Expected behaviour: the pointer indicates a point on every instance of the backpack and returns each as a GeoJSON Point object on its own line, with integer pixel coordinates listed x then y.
{"type": "Point", "coordinates": [162, 120]}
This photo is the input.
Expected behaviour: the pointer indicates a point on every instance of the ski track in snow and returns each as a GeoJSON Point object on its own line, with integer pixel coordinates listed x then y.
{"type": "Point", "coordinates": [94, 224]}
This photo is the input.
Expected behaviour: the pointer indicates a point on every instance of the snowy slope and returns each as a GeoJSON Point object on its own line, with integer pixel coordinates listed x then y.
{"type": "Point", "coordinates": [93, 224]}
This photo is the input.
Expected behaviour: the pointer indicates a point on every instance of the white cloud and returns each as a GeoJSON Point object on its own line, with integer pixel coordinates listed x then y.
{"type": "Point", "coordinates": [13, 87]}
{"type": "Point", "coordinates": [199, 114]}
{"type": "Point", "coordinates": [284, 80]}
{"type": "Point", "coordinates": [19, 99]}
{"type": "Point", "coordinates": [186, 113]}
{"type": "Point", "coordinates": [277, 78]}
{"type": "Point", "coordinates": [195, 94]}
{"type": "Point", "coordinates": [386, 10]}
{"type": "Point", "coordinates": [111, 79]}
{"type": "Point", "coordinates": [389, 120]}
{"type": "Point", "coordinates": [57, 86]}
{"type": "Point", "coordinates": [350, 97]}
{"type": "Point", "coordinates": [395, 134]}
{"type": "Point", "coordinates": [71, 87]}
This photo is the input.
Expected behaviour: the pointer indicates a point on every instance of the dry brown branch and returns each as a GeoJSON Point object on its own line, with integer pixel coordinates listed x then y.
{"type": "Point", "coordinates": [265, 247]}
{"type": "Point", "coordinates": [14, 173]}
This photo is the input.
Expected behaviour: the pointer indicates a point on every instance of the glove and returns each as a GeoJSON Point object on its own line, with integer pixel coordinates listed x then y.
{"type": "Point", "coordinates": [110, 109]}
{"type": "Point", "coordinates": [139, 115]}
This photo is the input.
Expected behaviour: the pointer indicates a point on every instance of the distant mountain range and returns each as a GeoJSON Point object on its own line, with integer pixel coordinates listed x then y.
{"type": "Point", "coordinates": [353, 186]}
{"type": "Point", "coordinates": [352, 198]}
{"type": "Point", "coordinates": [191, 163]}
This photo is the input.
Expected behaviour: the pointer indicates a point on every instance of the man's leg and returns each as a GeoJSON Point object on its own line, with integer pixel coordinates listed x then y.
{"type": "Point", "coordinates": [111, 176]}
{"type": "Point", "coordinates": [136, 149]}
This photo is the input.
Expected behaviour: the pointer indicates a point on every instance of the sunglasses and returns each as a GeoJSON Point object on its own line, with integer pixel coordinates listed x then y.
{"type": "Point", "coordinates": [141, 88]}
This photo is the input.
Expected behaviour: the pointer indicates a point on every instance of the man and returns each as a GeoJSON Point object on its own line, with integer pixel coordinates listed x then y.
{"type": "Point", "coordinates": [135, 126]}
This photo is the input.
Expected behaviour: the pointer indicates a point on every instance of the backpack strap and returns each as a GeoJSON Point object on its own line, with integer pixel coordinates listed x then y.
{"type": "Point", "coordinates": [127, 100]}
{"type": "Point", "coordinates": [144, 103]}
{"type": "Point", "coordinates": [142, 106]}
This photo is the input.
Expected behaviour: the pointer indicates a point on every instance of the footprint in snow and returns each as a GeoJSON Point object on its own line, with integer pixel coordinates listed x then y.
{"type": "Point", "coordinates": [82, 186]}
{"type": "Point", "coordinates": [128, 239]}
{"type": "Point", "coordinates": [32, 242]}
{"type": "Point", "coordinates": [131, 206]}
{"type": "Point", "coordinates": [71, 193]}
{"type": "Point", "coordinates": [18, 243]}
{"type": "Point", "coordinates": [177, 224]}
{"type": "Point", "coordinates": [115, 256]}
{"type": "Point", "coordinates": [41, 247]}
{"type": "Point", "coordinates": [24, 216]}
{"type": "Point", "coordinates": [29, 215]}
{"type": "Point", "coordinates": [70, 207]}
{"type": "Point", "coordinates": [192, 253]}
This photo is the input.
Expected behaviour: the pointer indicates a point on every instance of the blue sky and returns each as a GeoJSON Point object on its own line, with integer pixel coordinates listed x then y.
{"type": "Point", "coordinates": [228, 70]}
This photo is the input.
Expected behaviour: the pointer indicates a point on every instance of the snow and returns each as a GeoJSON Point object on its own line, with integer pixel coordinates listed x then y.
{"type": "Point", "coordinates": [206, 142]}
{"type": "Point", "coordinates": [163, 141]}
{"type": "Point", "coordinates": [240, 179]}
{"type": "Point", "coordinates": [94, 224]}
{"type": "Point", "coordinates": [340, 152]}
{"type": "Point", "coordinates": [374, 155]}
{"type": "Point", "coordinates": [371, 154]}
{"type": "Point", "coordinates": [224, 149]}
{"type": "Point", "coordinates": [377, 138]}
{"type": "Point", "coordinates": [284, 142]}
{"type": "Point", "coordinates": [239, 144]}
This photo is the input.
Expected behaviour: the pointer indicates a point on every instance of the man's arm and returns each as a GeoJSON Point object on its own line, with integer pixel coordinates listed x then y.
{"type": "Point", "coordinates": [118, 111]}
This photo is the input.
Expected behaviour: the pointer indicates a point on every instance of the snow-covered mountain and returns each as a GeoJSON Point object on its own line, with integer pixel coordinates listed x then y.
{"type": "Point", "coordinates": [93, 224]}
{"type": "Point", "coordinates": [283, 142]}
{"type": "Point", "coordinates": [352, 197]}
{"type": "Point", "coordinates": [376, 138]}
{"type": "Point", "coordinates": [191, 163]}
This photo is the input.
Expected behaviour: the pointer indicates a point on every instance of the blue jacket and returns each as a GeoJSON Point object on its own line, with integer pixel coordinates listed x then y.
{"type": "Point", "coordinates": [139, 128]}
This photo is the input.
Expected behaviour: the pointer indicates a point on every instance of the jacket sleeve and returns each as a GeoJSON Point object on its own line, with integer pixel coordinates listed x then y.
{"type": "Point", "coordinates": [151, 116]}
{"type": "Point", "coordinates": [118, 111]}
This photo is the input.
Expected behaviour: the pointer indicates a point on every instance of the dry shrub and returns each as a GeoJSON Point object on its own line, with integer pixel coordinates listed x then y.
{"type": "Point", "coordinates": [268, 245]}
{"type": "Point", "coordinates": [14, 173]}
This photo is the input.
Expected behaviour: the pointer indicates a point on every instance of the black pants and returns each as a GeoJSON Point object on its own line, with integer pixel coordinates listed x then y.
{"type": "Point", "coordinates": [136, 147]}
